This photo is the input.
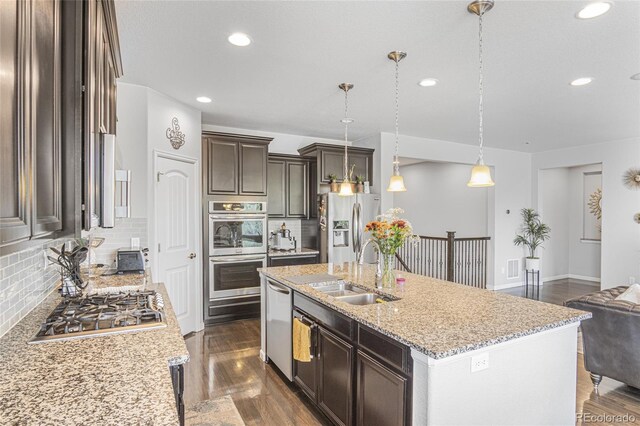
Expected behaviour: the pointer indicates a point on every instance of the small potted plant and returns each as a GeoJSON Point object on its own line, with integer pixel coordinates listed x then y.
{"type": "Point", "coordinates": [533, 234]}
{"type": "Point", "coordinates": [333, 182]}
{"type": "Point", "coordinates": [359, 183]}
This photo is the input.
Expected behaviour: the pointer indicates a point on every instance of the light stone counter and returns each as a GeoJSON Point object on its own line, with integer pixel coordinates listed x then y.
{"type": "Point", "coordinates": [437, 318]}
{"type": "Point", "coordinates": [119, 379]}
{"type": "Point", "coordinates": [297, 252]}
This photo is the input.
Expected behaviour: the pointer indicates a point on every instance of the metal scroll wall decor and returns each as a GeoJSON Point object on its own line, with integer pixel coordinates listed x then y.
{"type": "Point", "coordinates": [175, 136]}
{"type": "Point", "coordinates": [595, 203]}
{"type": "Point", "coordinates": [631, 178]}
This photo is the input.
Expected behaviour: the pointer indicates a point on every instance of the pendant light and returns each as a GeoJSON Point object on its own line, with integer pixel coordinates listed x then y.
{"type": "Point", "coordinates": [480, 173]}
{"type": "Point", "coordinates": [396, 183]}
{"type": "Point", "coordinates": [345, 186]}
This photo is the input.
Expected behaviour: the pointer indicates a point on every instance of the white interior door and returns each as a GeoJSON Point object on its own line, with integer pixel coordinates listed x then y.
{"type": "Point", "coordinates": [176, 235]}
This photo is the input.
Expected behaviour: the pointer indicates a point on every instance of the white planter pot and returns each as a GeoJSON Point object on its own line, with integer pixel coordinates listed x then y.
{"type": "Point", "coordinates": [532, 264]}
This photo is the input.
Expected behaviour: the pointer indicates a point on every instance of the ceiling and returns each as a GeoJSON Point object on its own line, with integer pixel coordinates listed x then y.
{"type": "Point", "coordinates": [286, 80]}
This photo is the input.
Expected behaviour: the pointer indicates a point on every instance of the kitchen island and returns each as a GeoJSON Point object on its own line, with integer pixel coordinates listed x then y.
{"type": "Point", "coordinates": [117, 379]}
{"type": "Point", "coordinates": [438, 352]}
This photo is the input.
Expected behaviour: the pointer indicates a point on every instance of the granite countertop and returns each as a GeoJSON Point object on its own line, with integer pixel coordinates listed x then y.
{"type": "Point", "coordinates": [435, 317]}
{"type": "Point", "coordinates": [119, 379]}
{"type": "Point", "coordinates": [296, 252]}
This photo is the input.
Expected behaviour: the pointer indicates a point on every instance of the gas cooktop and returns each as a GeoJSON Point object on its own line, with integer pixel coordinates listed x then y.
{"type": "Point", "coordinates": [80, 317]}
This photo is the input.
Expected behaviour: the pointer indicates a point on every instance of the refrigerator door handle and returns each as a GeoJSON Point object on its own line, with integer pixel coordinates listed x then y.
{"type": "Point", "coordinates": [354, 240]}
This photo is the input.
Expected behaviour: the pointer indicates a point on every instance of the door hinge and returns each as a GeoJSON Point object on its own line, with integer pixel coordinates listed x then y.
{"type": "Point", "coordinates": [83, 208]}
{"type": "Point", "coordinates": [158, 176]}
{"type": "Point", "coordinates": [158, 247]}
{"type": "Point", "coordinates": [83, 88]}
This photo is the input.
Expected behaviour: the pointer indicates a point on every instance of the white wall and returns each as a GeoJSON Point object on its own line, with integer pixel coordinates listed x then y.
{"type": "Point", "coordinates": [282, 143]}
{"type": "Point", "coordinates": [620, 234]}
{"type": "Point", "coordinates": [554, 208]}
{"type": "Point", "coordinates": [143, 118]}
{"type": "Point", "coordinates": [445, 203]}
{"type": "Point", "coordinates": [512, 173]}
{"type": "Point", "coordinates": [584, 256]}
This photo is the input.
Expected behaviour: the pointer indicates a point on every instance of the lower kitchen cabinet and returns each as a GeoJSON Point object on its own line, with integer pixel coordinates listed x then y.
{"type": "Point", "coordinates": [382, 394]}
{"type": "Point", "coordinates": [335, 385]}
{"type": "Point", "coordinates": [293, 260]}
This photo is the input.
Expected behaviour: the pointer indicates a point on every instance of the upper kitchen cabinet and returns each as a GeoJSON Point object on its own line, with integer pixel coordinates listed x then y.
{"type": "Point", "coordinates": [41, 105]}
{"type": "Point", "coordinates": [288, 187]}
{"type": "Point", "coordinates": [330, 160]}
{"type": "Point", "coordinates": [235, 164]}
{"type": "Point", "coordinates": [102, 66]}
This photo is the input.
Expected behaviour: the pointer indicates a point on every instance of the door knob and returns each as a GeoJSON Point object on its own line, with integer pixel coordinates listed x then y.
{"type": "Point", "coordinates": [192, 256]}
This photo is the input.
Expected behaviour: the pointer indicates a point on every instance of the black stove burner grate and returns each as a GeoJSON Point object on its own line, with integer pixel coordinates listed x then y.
{"type": "Point", "coordinates": [121, 312]}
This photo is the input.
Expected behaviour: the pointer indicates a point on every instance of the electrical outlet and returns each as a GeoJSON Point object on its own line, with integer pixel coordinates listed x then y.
{"type": "Point", "coordinates": [135, 242]}
{"type": "Point", "coordinates": [480, 362]}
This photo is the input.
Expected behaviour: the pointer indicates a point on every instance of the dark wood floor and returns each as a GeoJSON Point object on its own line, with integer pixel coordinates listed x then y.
{"type": "Point", "coordinates": [557, 292]}
{"type": "Point", "coordinates": [225, 361]}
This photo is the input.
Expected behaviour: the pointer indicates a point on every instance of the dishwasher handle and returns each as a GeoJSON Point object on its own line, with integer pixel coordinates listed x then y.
{"type": "Point", "coordinates": [278, 287]}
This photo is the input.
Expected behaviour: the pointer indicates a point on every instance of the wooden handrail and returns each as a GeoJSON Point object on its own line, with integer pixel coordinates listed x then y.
{"type": "Point", "coordinates": [461, 260]}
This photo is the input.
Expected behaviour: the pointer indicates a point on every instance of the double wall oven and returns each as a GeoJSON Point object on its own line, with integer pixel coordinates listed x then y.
{"type": "Point", "coordinates": [238, 238]}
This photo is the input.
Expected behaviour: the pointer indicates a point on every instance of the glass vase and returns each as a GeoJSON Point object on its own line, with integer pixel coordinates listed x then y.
{"type": "Point", "coordinates": [388, 270]}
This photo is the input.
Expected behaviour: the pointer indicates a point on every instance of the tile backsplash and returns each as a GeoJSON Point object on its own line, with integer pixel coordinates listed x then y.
{"type": "Point", "coordinates": [25, 282]}
{"type": "Point", "coordinates": [293, 225]}
{"type": "Point", "coordinates": [118, 237]}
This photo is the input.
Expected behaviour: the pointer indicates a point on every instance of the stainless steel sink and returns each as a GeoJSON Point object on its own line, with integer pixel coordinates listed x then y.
{"type": "Point", "coordinates": [339, 289]}
{"type": "Point", "coordinates": [363, 299]}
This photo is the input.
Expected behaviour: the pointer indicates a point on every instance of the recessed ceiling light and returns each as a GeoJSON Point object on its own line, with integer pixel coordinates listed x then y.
{"type": "Point", "coordinates": [635, 76]}
{"type": "Point", "coordinates": [594, 10]}
{"type": "Point", "coordinates": [428, 82]}
{"type": "Point", "coordinates": [239, 39]}
{"type": "Point", "coordinates": [203, 99]}
{"type": "Point", "coordinates": [581, 81]}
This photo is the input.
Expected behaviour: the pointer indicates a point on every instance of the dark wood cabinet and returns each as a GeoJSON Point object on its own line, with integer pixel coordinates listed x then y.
{"type": "Point", "coordinates": [288, 186]}
{"type": "Point", "coordinates": [40, 125]}
{"type": "Point", "coordinates": [253, 169]}
{"type": "Point", "coordinates": [382, 394]}
{"type": "Point", "coordinates": [222, 166]}
{"type": "Point", "coordinates": [335, 368]}
{"type": "Point", "coordinates": [301, 259]}
{"type": "Point", "coordinates": [236, 164]}
{"type": "Point", "coordinates": [277, 188]}
{"type": "Point", "coordinates": [330, 160]}
{"type": "Point", "coordinates": [357, 375]}
{"type": "Point", "coordinates": [102, 65]}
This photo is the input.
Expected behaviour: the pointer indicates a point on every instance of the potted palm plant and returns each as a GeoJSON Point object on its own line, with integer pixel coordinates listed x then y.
{"type": "Point", "coordinates": [533, 234]}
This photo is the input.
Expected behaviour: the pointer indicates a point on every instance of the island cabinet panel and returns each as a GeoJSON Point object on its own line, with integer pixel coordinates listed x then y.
{"type": "Point", "coordinates": [305, 375]}
{"type": "Point", "coordinates": [235, 164]}
{"type": "Point", "coordinates": [335, 373]}
{"type": "Point", "coordinates": [382, 395]}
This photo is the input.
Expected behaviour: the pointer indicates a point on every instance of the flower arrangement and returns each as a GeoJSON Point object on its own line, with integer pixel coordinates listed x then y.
{"type": "Point", "coordinates": [390, 232]}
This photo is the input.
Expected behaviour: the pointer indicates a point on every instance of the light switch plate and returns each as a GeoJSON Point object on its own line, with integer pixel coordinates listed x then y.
{"type": "Point", "coordinates": [480, 362]}
{"type": "Point", "coordinates": [135, 242]}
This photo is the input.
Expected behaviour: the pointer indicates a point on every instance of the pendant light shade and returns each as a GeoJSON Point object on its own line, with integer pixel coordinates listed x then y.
{"type": "Point", "coordinates": [480, 173]}
{"type": "Point", "coordinates": [396, 183]}
{"type": "Point", "coordinates": [480, 176]}
{"type": "Point", "coordinates": [345, 187]}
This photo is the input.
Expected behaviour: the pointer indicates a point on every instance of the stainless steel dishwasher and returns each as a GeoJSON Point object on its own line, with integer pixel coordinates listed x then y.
{"type": "Point", "coordinates": [279, 312]}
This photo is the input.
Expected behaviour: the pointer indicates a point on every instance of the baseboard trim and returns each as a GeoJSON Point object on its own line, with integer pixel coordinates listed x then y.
{"type": "Point", "coordinates": [585, 278]}
{"type": "Point", "coordinates": [507, 285]}
{"type": "Point", "coordinates": [556, 277]}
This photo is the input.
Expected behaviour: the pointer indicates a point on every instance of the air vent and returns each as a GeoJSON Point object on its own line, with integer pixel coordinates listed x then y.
{"type": "Point", "coordinates": [513, 268]}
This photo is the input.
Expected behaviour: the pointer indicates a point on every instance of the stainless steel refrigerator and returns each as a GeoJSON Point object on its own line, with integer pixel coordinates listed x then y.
{"type": "Point", "coordinates": [341, 222]}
